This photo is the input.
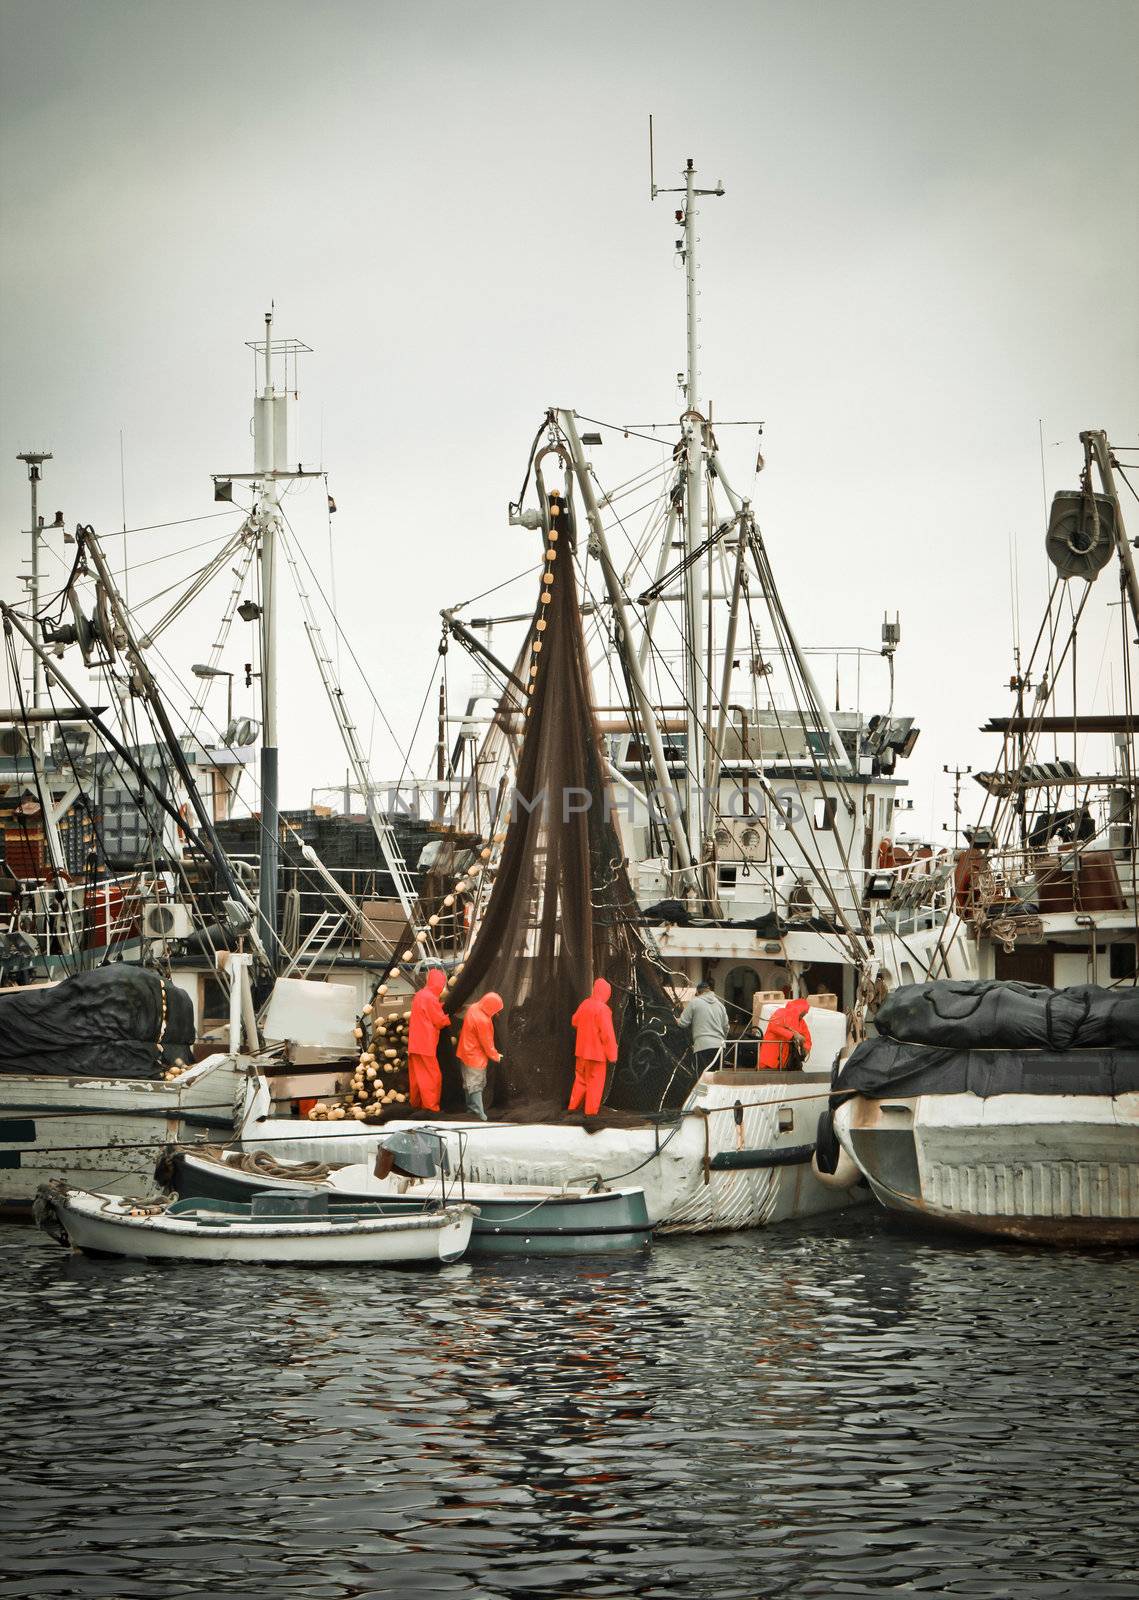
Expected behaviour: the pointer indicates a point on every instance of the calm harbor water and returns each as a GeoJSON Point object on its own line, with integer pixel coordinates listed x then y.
{"type": "Point", "coordinates": [840, 1410]}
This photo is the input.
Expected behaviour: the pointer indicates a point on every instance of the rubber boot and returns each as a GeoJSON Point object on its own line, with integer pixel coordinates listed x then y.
{"type": "Point", "coordinates": [474, 1104]}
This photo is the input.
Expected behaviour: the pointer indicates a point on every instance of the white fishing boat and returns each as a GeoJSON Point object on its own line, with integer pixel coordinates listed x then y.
{"type": "Point", "coordinates": [97, 1076]}
{"type": "Point", "coordinates": [271, 1230]}
{"type": "Point", "coordinates": [736, 1154]}
{"type": "Point", "coordinates": [1010, 1106]}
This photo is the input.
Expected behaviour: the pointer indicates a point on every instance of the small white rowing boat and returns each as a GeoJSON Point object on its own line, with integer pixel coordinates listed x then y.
{"type": "Point", "coordinates": [271, 1229]}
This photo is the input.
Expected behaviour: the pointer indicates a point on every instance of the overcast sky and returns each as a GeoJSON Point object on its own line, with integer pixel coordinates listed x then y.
{"type": "Point", "coordinates": [928, 243]}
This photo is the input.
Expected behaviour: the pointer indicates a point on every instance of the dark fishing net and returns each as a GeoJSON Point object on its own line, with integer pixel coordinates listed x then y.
{"type": "Point", "coordinates": [561, 911]}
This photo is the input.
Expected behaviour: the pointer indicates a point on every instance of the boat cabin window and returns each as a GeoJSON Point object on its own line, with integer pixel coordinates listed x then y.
{"type": "Point", "coordinates": [726, 876]}
{"type": "Point", "coordinates": [1121, 960]}
{"type": "Point", "coordinates": [826, 807]}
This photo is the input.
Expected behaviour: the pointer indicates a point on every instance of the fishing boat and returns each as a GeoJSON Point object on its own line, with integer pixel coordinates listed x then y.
{"type": "Point", "coordinates": [305, 1229]}
{"type": "Point", "coordinates": [1010, 1106]}
{"type": "Point", "coordinates": [715, 826]}
{"type": "Point", "coordinates": [735, 1153]}
{"type": "Point", "coordinates": [99, 1072]}
{"type": "Point", "coordinates": [512, 1219]}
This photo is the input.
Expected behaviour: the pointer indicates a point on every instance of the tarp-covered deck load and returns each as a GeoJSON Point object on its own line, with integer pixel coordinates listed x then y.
{"type": "Point", "coordinates": [998, 1037]}
{"type": "Point", "coordinates": [119, 1021]}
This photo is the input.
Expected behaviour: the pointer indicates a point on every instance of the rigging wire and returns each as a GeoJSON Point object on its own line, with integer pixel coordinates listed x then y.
{"type": "Point", "coordinates": [527, 572]}
{"type": "Point", "coordinates": [765, 784]}
{"type": "Point", "coordinates": [172, 555]}
{"type": "Point", "coordinates": [821, 872]}
{"type": "Point", "coordinates": [300, 550]}
{"type": "Point", "coordinates": [1127, 480]}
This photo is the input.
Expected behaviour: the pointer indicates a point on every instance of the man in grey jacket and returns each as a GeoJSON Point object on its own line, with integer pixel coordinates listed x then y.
{"type": "Point", "coordinates": [707, 1020]}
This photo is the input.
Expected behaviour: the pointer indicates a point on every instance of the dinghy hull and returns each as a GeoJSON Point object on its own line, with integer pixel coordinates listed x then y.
{"type": "Point", "coordinates": [103, 1225]}
{"type": "Point", "coordinates": [528, 1221]}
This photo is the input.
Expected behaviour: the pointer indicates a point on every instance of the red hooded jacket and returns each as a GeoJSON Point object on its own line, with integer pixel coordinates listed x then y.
{"type": "Point", "coordinates": [427, 1016]}
{"type": "Point", "coordinates": [789, 1022]}
{"type": "Point", "coordinates": [593, 1020]}
{"type": "Point", "coordinates": [476, 1040]}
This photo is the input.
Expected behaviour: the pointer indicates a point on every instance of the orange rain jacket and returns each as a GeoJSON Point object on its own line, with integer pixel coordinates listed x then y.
{"type": "Point", "coordinates": [476, 1040]}
{"type": "Point", "coordinates": [593, 1019]}
{"type": "Point", "coordinates": [788, 1023]}
{"type": "Point", "coordinates": [427, 1016]}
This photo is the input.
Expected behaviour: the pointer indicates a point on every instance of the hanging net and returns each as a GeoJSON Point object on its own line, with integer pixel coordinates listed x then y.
{"type": "Point", "coordinates": [561, 911]}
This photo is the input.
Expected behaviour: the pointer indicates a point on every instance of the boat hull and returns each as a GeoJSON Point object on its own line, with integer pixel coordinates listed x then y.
{"type": "Point", "coordinates": [1045, 1169]}
{"type": "Point", "coordinates": [102, 1225]}
{"type": "Point", "coordinates": [529, 1222]}
{"type": "Point", "coordinates": [702, 1171]}
{"type": "Point", "coordinates": [105, 1134]}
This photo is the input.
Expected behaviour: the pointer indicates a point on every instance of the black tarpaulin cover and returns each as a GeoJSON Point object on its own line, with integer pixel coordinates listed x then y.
{"type": "Point", "coordinates": [995, 1015]}
{"type": "Point", "coordinates": [881, 1067]}
{"type": "Point", "coordinates": [115, 1022]}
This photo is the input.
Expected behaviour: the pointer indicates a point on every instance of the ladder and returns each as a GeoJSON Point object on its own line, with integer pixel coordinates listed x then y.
{"type": "Point", "coordinates": [385, 835]}
{"type": "Point", "coordinates": [316, 942]}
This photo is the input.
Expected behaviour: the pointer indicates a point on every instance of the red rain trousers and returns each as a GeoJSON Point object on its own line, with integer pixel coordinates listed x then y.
{"type": "Point", "coordinates": [425, 1081]}
{"type": "Point", "coordinates": [588, 1085]}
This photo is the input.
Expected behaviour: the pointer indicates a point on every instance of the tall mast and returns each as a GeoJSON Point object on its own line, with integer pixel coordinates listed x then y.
{"type": "Point", "coordinates": [696, 669]}
{"type": "Point", "coordinates": [265, 515]}
{"type": "Point", "coordinates": [694, 573]}
{"type": "Point", "coordinates": [270, 466]}
{"type": "Point", "coordinates": [34, 460]}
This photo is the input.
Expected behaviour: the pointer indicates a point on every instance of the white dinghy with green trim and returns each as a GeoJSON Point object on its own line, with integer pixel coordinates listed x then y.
{"type": "Point", "coordinates": [309, 1229]}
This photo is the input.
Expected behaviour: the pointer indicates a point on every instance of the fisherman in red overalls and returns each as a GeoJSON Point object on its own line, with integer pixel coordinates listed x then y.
{"type": "Point", "coordinates": [477, 1050]}
{"type": "Point", "coordinates": [596, 1046]}
{"type": "Point", "coordinates": [786, 1037]}
{"type": "Point", "coordinates": [427, 1020]}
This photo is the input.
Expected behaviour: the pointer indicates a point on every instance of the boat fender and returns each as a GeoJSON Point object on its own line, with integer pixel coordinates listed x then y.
{"type": "Point", "coordinates": [830, 1163]}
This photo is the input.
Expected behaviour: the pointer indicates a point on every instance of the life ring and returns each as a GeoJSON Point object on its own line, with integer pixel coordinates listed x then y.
{"type": "Point", "coordinates": [830, 1163]}
{"type": "Point", "coordinates": [885, 854]}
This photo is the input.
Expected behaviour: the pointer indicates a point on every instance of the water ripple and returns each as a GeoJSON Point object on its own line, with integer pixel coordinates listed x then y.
{"type": "Point", "coordinates": [845, 1410]}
